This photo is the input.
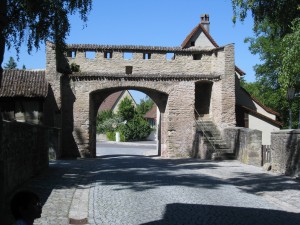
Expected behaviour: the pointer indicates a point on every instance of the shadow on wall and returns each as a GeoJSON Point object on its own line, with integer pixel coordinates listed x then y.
{"type": "Point", "coordinates": [293, 151]}
{"type": "Point", "coordinates": [194, 214]}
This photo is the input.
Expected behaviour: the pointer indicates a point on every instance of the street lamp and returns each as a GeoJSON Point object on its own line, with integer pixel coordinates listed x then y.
{"type": "Point", "coordinates": [290, 97]}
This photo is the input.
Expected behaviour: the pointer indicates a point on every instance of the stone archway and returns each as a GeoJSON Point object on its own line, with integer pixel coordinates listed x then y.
{"type": "Point", "coordinates": [98, 96]}
{"type": "Point", "coordinates": [170, 83]}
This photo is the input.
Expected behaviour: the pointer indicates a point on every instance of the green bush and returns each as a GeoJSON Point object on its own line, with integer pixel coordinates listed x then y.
{"type": "Point", "coordinates": [111, 136]}
{"type": "Point", "coordinates": [135, 129]}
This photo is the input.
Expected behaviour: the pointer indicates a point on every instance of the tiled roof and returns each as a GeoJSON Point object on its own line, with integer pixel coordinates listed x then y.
{"type": "Point", "coordinates": [275, 122]}
{"type": "Point", "coordinates": [134, 48]}
{"type": "Point", "coordinates": [199, 26]}
{"type": "Point", "coordinates": [151, 114]}
{"type": "Point", "coordinates": [23, 83]}
{"type": "Point", "coordinates": [146, 76]}
{"type": "Point", "coordinates": [110, 101]}
{"type": "Point", "coordinates": [261, 104]}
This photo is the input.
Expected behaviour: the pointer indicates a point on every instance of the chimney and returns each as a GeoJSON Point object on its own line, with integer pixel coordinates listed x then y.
{"type": "Point", "coordinates": [205, 21]}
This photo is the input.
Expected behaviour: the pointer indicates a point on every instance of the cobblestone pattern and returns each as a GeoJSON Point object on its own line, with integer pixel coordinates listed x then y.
{"type": "Point", "coordinates": [141, 190]}
{"type": "Point", "coordinates": [147, 191]}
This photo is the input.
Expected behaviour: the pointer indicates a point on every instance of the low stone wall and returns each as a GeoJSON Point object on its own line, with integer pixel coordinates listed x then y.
{"type": "Point", "coordinates": [24, 153]}
{"type": "Point", "coordinates": [285, 152]}
{"type": "Point", "coordinates": [246, 144]}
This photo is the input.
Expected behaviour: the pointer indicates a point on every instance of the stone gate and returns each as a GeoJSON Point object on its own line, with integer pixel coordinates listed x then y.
{"type": "Point", "coordinates": [179, 80]}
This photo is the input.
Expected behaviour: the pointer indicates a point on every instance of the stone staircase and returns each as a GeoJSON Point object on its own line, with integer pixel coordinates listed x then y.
{"type": "Point", "coordinates": [214, 141]}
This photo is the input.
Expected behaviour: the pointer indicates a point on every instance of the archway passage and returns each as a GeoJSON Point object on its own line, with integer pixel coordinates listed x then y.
{"type": "Point", "coordinates": [170, 83]}
{"type": "Point", "coordinates": [203, 91]}
{"type": "Point", "coordinates": [153, 147]}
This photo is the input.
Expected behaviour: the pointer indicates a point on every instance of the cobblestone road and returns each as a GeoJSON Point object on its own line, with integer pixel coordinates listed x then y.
{"type": "Point", "coordinates": [134, 190]}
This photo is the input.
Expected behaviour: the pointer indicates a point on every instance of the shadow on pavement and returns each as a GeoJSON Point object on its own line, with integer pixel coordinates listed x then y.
{"type": "Point", "coordinates": [140, 173]}
{"type": "Point", "coordinates": [193, 214]}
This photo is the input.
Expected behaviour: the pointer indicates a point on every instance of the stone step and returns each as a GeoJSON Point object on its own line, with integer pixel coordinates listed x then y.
{"type": "Point", "coordinates": [224, 156]}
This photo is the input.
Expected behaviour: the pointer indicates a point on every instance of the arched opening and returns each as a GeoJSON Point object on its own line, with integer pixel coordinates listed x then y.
{"type": "Point", "coordinates": [110, 98]}
{"type": "Point", "coordinates": [203, 98]}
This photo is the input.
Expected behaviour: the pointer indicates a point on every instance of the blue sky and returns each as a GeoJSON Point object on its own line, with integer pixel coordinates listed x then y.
{"type": "Point", "coordinates": [155, 23]}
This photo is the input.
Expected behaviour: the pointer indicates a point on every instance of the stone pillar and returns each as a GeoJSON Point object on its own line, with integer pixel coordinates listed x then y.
{"type": "Point", "coordinates": [285, 152]}
{"type": "Point", "coordinates": [228, 89]}
{"type": "Point", "coordinates": [245, 143]}
{"type": "Point", "coordinates": [180, 125]}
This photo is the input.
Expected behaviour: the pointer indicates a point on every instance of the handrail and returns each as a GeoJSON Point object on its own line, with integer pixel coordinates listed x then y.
{"type": "Point", "coordinates": [203, 131]}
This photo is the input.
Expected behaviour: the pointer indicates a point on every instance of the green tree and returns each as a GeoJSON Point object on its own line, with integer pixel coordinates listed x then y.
{"type": "Point", "coordinates": [126, 109]}
{"type": "Point", "coordinates": [289, 75]}
{"type": "Point", "coordinates": [11, 64]}
{"type": "Point", "coordinates": [144, 106]}
{"type": "Point", "coordinates": [274, 22]}
{"type": "Point", "coordinates": [101, 118]}
{"type": "Point", "coordinates": [135, 129]}
{"type": "Point", "coordinates": [39, 20]}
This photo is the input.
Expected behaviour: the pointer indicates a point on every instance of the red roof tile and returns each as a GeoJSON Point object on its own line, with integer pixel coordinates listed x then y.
{"type": "Point", "coordinates": [200, 26]}
{"type": "Point", "coordinates": [151, 114]}
{"type": "Point", "coordinates": [110, 101]}
{"type": "Point", "coordinates": [23, 83]}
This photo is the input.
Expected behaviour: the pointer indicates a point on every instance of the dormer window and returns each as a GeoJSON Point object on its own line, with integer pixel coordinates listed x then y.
{"type": "Point", "coordinates": [192, 43]}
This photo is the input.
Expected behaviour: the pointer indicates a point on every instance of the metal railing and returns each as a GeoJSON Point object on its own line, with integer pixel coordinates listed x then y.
{"type": "Point", "coordinates": [203, 128]}
{"type": "Point", "coordinates": [265, 154]}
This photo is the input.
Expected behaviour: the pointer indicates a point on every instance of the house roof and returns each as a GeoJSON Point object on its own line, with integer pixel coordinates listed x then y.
{"type": "Point", "coordinates": [151, 114]}
{"type": "Point", "coordinates": [261, 104]}
{"type": "Point", "coordinates": [255, 113]}
{"type": "Point", "coordinates": [23, 83]}
{"type": "Point", "coordinates": [111, 101]}
{"type": "Point", "coordinates": [210, 38]}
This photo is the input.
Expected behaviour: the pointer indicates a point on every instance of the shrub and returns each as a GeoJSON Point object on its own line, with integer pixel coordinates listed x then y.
{"type": "Point", "coordinates": [136, 129]}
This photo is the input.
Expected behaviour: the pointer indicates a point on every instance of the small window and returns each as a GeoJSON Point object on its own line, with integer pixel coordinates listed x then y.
{"type": "Point", "coordinates": [71, 54]}
{"type": "Point", "coordinates": [90, 54]}
{"type": "Point", "coordinates": [170, 56]}
{"type": "Point", "coordinates": [128, 69]}
{"type": "Point", "coordinates": [197, 56]}
{"type": "Point", "coordinates": [107, 55]}
{"type": "Point", "coordinates": [146, 55]}
{"type": "Point", "coordinates": [192, 43]}
{"type": "Point", "coordinates": [127, 55]}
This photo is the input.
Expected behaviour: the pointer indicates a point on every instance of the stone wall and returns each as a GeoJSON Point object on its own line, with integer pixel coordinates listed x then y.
{"type": "Point", "coordinates": [169, 82]}
{"type": "Point", "coordinates": [24, 153]}
{"type": "Point", "coordinates": [246, 144]}
{"type": "Point", "coordinates": [285, 152]}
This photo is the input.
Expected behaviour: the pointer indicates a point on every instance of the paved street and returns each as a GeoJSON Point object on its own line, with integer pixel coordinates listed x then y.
{"type": "Point", "coordinates": [129, 190]}
{"type": "Point", "coordinates": [146, 148]}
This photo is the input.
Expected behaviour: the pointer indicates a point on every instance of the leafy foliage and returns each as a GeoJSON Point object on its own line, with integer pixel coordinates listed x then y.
{"type": "Point", "coordinates": [135, 129]}
{"type": "Point", "coordinates": [74, 67]}
{"type": "Point", "coordinates": [107, 121]}
{"type": "Point", "coordinates": [11, 64]}
{"type": "Point", "coordinates": [35, 21]}
{"type": "Point", "coordinates": [144, 106]}
{"type": "Point", "coordinates": [276, 40]}
{"type": "Point", "coordinates": [290, 70]}
{"type": "Point", "coordinates": [41, 20]}
{"type": "Point", "coordinates": [126, 109]}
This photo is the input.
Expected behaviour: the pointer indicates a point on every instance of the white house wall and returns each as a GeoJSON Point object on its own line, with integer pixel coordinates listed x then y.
{"type": "Point", "coordinates": [260, 110]}
{"type": "Point", "coordinates": [266, 128]}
